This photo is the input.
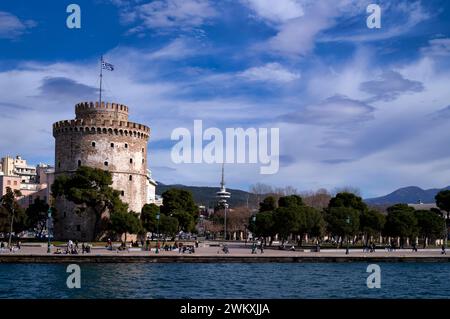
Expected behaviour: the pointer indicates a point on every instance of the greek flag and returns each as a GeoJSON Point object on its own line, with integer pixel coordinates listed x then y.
{"type": "Point", "coordinates": [107, 66]}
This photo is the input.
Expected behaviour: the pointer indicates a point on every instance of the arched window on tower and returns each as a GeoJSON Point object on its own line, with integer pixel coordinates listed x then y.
{"type": "Point", "coordinates": [79, 163]}
{"type": "Point", "coordinates": [130, 177]}
{"type": "Point", "coordinates": [106, 163]}
{"type": "Point", "coordinates": [93, 144]}
{"type": "Point", "coordinates": [131, 161]}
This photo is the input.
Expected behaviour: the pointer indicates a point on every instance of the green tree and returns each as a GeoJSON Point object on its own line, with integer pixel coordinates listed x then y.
{"type": "Point", "coordinates": [90, 188]}
{"type": "Point", "coordinates": [168, 225]}
{"type": "Point", "coordinates": [269, 204]}
{"type": "Point", "coordinates": [349, 200]}
{"type": "Point", "coordinates": [430, 225]}
{"type": "Point", "coordinates": [290, 201]}
{"type": "Point", "coordinates": [186, 221]}
{"type": "Point", "coordinates": [37, 214]}
{"type": "Point", "coordinates": [371, 223]}
{"type": "Point", "coordinates": [342, 221]}
{"type": "Point", "coordinates": [287, 221]}
{"type": "Point", "coordinates": [263, 226]}
{"type": "Point", "coordinates": [5, 220]}
{"type": "Point", "coordinates": [123, 222]}
{"type": "Point", "coordinates": [180, 204]}
{"type": "Point", "coordinates": [443, 201]}
{"type": "Point", "coordinates": [148, 217]}
{"type": "Point", "coordinates": [315, 223]}
{"type": "Point", "coordinates": [401, 222]}
{"type": "Point", "coordinates": [14, 211]}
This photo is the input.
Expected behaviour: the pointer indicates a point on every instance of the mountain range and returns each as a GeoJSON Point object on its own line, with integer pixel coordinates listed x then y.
{"type": "Point", "coordinates": [408, 195]}
{"type": "Point", "coordinates": [207, 195]}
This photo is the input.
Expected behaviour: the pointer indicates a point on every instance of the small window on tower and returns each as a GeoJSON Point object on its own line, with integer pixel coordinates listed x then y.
{"type": "Point", "coordinates": [143, 161]}
{"type": "Point", "coordinates": [59, 164]}
{"type": "Point", "coordinates": [131, 161]}
{"type": "Point", "coordinates": [142, 150]}
{"type": "Point", "coordinates": [130, 177]}
{"type": "Point", "coordinates": [79, 163]}
{"type": "Point", "coordinates": [93, 144]}
{"type": "Point", "coordinates": [106, 163]}
{"type": "Point", "coordinates": [112, 144]}
{"type": "Point", "coordinates": [122, 193]}
{"type": "Point", "coordinates": [126, 145]}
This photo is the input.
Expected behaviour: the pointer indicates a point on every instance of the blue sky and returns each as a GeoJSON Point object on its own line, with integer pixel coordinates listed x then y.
{"type": "Point", "coordinates": [360, 107]}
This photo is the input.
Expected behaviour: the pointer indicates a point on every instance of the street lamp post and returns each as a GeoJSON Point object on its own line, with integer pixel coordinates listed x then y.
{"type": "Point", "coordinates": [225, 221]}
{"type": "Point", "coordinates": [254, 223]}
{"type": "Point", "coordinates": [157, 233]}
{"type": "Point", "coordinates": [348, 223]}
{"type": "Point", "coordinates": [49, 215]}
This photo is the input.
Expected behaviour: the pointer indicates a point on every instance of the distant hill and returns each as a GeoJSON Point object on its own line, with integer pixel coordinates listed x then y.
{"type": "Point", "coordinates": [207, 195]}
{"type": "Point", "coordinates": [408, 195]}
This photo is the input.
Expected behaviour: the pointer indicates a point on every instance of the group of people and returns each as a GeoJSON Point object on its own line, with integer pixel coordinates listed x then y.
{"type": "Point", "coordinates": [255, 246]}
{"type": "Point", "coordinates": [369, 248]}
{"type": "Point", "coordinates": [4, 246]}
{"type": "Point", "coordinates": [73, 247]}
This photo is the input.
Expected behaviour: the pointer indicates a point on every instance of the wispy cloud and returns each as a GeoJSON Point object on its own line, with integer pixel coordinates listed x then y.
{"type": "Point", "coordinates": [335, 110]}
{"type": "Point", "coordinates": [11, 27]}
{"type": "Point", "coordinates": [390, 85]}
{"type": "Point", "coordinates": [166, 15]}
{"type": "Point", "coordinates": [437, 48]}
{"type": "Point", "coordinates": [270, 72]}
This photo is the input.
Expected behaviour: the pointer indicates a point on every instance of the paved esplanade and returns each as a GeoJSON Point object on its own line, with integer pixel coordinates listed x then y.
{"type": "Point", "coordinates": [235, 249]}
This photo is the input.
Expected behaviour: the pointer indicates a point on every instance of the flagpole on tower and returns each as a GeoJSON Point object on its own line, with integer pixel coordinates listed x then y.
{"type": "Point", "coordinates": [101, 76]}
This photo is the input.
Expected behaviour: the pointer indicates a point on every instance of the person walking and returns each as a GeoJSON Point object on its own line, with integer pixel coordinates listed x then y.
{"type": "Point", "coordinates": [261, 247]}
{"type": "Point", "coordinates": [443, 252]}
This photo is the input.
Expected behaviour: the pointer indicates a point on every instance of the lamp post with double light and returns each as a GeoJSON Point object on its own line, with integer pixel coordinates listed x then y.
{"type": "Point", "coordinates": [49, 216]}
{"type": "Point", "coordinates": [157, 233]}
{"type": "Point", "coordinates": [348, 224]}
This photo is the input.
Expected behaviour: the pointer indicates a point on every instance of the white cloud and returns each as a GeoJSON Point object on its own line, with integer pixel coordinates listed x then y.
{"type": "Point", "coordinates": [390, 85]}
{"type": "Point", "coordinates": [271, 72]}
{"type": "Point", "coordinates": [276, 11]}
{"type": "Point", "coordinates": [437, 47]}
{"type": "Point", "coordinates": [177, 49]}
{"type": "Point", "coordinates": [334, 111]}
{"type": "Point", "coordinates": [168, 14]}
{"type": "Point", "coordinates": [12, 27]}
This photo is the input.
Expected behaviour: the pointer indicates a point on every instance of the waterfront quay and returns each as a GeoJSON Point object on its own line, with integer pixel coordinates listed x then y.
{"type": "Point", "coordinates": [210, 252]}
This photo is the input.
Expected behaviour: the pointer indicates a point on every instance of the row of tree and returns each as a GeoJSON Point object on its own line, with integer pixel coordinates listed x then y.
{"type": "Point", "coordinates": [90, 189]}
{"type": "Point", "coordinates": [347, 216]}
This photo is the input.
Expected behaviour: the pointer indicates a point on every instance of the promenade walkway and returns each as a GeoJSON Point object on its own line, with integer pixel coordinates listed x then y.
{"type": "Point", "coordinates": [237, 250]}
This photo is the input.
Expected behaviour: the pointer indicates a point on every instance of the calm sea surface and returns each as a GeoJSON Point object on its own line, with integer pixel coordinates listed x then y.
{"type": "Point", "coordinates": [309, 280]}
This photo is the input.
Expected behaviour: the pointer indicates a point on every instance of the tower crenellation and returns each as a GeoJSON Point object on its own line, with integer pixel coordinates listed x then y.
{"type": "Point", "coordinates": [87, 110]}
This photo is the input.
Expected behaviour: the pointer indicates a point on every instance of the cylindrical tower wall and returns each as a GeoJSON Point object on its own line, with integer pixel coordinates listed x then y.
{"type": "Point", "coordinates": [118, 146]}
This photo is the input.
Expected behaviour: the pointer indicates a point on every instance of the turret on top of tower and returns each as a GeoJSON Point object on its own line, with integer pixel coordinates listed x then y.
{"type": "Point", "coordinates": [95, 110]}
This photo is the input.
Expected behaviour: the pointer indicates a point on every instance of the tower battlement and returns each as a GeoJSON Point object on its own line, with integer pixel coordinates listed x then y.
{"type": "Point", "coordinates": [101, 126]}
{"type": "Point", "coordinates": [101, 110]}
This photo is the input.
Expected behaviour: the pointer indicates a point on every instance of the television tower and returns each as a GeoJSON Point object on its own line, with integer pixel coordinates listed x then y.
{"type": "Point", "coordinates": [222, 196]}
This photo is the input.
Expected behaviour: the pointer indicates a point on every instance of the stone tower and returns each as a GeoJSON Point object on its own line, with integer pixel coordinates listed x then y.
{"type": "Point", "coordinates": [100, 137]}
